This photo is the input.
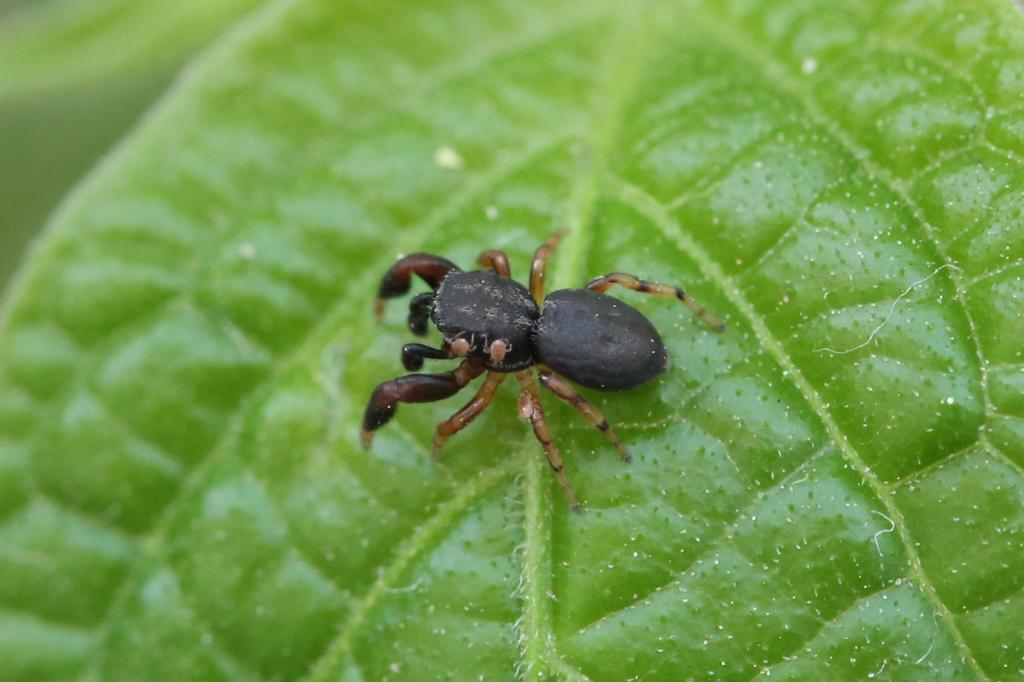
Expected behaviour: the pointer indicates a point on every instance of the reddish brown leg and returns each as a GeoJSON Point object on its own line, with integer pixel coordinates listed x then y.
{"type": "Point", "coordinates": [498, 260]}
{"type": "Point", "coordinates": [539, 267]}
{"type": "Point", "coordinates": [431, 269]}
{"type": "Point", "coordinates": [604, 282]}
{"type": "Point", "coordinates": [412, 388]}
{"type": "Point", "coordinates": [563, 390]}
{"type": "Point", "coordinates": [468, 413]}
{"type": "Point", "coordinates": [530, 408]}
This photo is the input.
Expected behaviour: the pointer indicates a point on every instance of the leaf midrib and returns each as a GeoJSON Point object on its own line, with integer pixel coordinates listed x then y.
{"type": "Point", "coordinates": [536, 629]}
{"type": "Point", "coordinates": [619, 76]}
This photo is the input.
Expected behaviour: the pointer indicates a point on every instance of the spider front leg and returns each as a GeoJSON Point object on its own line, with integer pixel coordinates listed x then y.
{"type": "Point", "coordinates": [468, 413]}
{"type": "Point", "coordinates": [419, 312]}
{"type": "Point", "coordinates": [539, 267]}
{"type": "Point", "coordinates": [396, 281]}
{"type": "Point", "coordinates": [530, 408]}
{"type": "Point", "coordinates": [563, 390]}
{"type": "Point", "coordinates": [496, 260]}
{"type": "Point", "coordinates": [413, 388]}
{"type": "Point", "coordinates": [413, 355]}
{"type": "Point", "coordinates": [604, 282]}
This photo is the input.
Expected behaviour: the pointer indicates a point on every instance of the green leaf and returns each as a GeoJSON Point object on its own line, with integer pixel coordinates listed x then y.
{"type": "Point", "coordinates": [74, 76]}
{"type": "Point", "coordinates": [53, 44]}
{"type": "Point", "coordinates": [832, 489]}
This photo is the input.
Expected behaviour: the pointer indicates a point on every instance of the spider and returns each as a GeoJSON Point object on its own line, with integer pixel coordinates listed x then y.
{"type": "Point", "coordinates": [498, 327]}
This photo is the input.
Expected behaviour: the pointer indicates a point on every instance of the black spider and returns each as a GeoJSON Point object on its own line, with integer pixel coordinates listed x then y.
{"type": "Point", "coordinates": [496, 326]}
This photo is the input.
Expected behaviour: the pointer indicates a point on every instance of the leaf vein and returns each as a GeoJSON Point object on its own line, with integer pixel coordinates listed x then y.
{"type": "Point", "coordinates": [325, 666]}
{"type": "Point", "coordinates": [834, 620]}
{"type": "Point", "coordinates": [774, 72]}
{"type": "Point", "coordinates": [226, 659]}
{"type": "Point", "coordinates": [714, 273]}
{"type": "Point", "coordinates": [713, 546]}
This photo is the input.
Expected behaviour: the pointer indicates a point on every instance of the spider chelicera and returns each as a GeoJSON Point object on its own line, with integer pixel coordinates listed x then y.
{"type": "Point", "coordinates": [497, 326]}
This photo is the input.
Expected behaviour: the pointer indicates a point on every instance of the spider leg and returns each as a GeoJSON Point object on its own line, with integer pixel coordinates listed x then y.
{"type": "Point", "coordinates": [498, 260]}
{"type": "Point", "coordinates": [468, 413]}
{"type": "Point", "coordinates": [530, 408]}
{"type": "Point", "coordinates": [413, 388]}
{"type": "Point", "coordinates": [419, 312]}
{"type": "Point", "coordinates": [539, 267]}
{"type": "Point", "coordinates": [563, 390]}
{"type": "Point", "coordinates": [604, 282]}
{"type": "Point", "coordinates": [413, 355]}
{"type": "Point", "coordinates": [396, 281]}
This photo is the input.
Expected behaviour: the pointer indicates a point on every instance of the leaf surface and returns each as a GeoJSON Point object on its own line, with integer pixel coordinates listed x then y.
{"type": "Point", "coordinates": [74, 76]}
{"type": "Point", "coordinates": [832, 489]}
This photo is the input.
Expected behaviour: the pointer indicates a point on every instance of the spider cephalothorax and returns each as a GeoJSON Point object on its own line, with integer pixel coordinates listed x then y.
{"type": "Point", "coordinates": [498, 326]}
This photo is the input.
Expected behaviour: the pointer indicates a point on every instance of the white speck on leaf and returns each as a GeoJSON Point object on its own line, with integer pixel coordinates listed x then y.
{"type": "Point", "coordinates": [446, 157]}
{"type": "Point", "coordinates": [809, 66]}
{"type": "Point", "coordinates": [247, 250]}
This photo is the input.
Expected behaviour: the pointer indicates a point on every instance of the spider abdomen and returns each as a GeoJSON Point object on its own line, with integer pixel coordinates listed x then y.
{"type": "Point", "coordinates": [598, 341]}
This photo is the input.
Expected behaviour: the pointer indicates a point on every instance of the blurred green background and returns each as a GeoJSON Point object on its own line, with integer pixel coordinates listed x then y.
{"type": "Point", "coordinates": [75, 75]}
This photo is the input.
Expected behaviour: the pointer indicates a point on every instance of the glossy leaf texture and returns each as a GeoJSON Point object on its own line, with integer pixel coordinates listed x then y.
{"type": "Point", "coordinates": [832, 489]}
